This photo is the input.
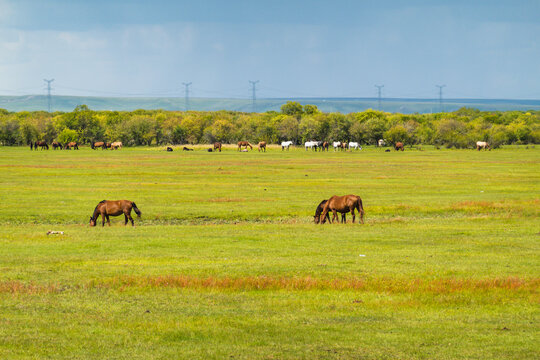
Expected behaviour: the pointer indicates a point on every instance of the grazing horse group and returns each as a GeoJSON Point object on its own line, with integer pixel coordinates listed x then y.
{"type": "Point", "coordinates": [56, 145]}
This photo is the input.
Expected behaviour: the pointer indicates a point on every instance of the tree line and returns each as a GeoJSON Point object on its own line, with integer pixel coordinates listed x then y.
{"type": "Point", "coordinates": [459, 129]}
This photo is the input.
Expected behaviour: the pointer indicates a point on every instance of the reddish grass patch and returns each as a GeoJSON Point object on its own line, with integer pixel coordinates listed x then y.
{"type": "Point", "coordinates": [387, 285]}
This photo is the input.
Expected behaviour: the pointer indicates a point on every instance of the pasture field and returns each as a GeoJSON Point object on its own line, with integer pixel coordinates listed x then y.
{"type": "Point", "coordinates": [226, 262]}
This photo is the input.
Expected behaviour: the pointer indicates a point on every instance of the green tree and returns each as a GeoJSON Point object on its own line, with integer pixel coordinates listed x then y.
{"type": "Point", "coordinates": [396, 133]}
{"type": "Point", "coordinates": [292, 108]}
{"type": "Point", "coordinates": [309, 109]}
{"type": "Point", "coordinates": [68, 135]}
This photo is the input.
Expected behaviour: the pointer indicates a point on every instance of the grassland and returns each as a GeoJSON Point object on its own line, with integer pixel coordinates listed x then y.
{"type": "Point", "coordinates": [226, 262]}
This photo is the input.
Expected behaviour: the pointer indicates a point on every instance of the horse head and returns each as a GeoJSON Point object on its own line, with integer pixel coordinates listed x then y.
{"type": "Point", "coordinates": [92, 221]}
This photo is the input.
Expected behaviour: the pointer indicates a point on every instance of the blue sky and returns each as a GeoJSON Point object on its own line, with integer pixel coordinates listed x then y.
{"type": "Point", "coordinates": [340, 48]}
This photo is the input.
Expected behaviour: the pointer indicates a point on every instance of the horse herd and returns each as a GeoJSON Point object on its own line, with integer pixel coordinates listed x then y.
{"type": "Point", "coordinates": [242, 145]}
{"type": "Point", "coordinates": [336, 204]}
{"type": "Point", "coordinates": [74, 145]}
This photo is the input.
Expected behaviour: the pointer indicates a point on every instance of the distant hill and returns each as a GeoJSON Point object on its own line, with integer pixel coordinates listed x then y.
{"type": "Point", "coordinates": [343, 105]}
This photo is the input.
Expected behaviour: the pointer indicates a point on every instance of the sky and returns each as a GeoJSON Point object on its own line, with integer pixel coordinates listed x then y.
{"type": "Point", "coordinates": [294, 48]}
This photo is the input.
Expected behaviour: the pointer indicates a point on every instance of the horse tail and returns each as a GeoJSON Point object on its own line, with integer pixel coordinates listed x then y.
{"type": "Point", "coordinates": [137, 211]}
{"type": "Point", "coordinates": [360, 209]}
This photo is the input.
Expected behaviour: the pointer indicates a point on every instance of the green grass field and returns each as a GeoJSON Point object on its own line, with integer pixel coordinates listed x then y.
{"type": "Point", "coordinates": [226, 262]}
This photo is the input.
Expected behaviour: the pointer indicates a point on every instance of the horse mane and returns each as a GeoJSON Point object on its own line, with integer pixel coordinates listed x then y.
{"type": "Point", "coordinates": [320, 208]}
{"type": "Point", "coordinates": [95, 210]}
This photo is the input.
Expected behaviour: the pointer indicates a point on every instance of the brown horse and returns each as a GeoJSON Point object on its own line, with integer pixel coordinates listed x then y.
{"type": "Point", "coordinates": [343, 204]}
{"type": "Point", "coordinates": [99, 144]}
{"type": "Point", "coordinates": [319, 210]}
{"type": "Point", "coordinates": [217, 146]}
{"type": "Point", "coordinates": [107, 208]}
{"type": "Point", "coordinates": [399, 146]}
{"type": "Point", "coordinates": [72, 145]}
{"type": "Point", "coordinates": [56, 144]}
{"type": "Point", "coordinates": [42, 144]}
{"type": "Point", "coordinates": [262, 146]}
{"type": "Point", "coordinates": [325, 146]}
{"type": "Point", "coordinates": [244, 143]}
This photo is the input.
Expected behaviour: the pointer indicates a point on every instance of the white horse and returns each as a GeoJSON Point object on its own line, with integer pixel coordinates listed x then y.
{"type": "Point", "coordinates": [381, 142]}
{"type": "Point", "coordinates": [482, 145]}
{"type": "Point", "coordinates": [311, 144]}
{"type": "Point", "coordinates": [286, 144]}
{"type": "Point", "coordinates": [336, 145]}
{"type": "Point", "coordinates": [354, 145]}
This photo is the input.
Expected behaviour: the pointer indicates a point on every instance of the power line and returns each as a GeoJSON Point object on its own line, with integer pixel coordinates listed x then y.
{"type": "Point", "coordinates": [253, 89]}
{"type": "Point", "coordinates": [440, 96]}
{"type": "Point", "coordinates": [187, 94]}
{"type": "Point", "coordinates": [48, 93]}
{"type": "Point", "coordinates": [379, 88]}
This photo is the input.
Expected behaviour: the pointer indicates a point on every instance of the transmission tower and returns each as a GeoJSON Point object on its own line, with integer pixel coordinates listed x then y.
{"type": "Point", "coordinates": [379, 88]}
{"type": "Point", "coordinates": [253, 90]}
{"type": "Point", "coordinates": [187, 94]}
{"type": "Point", "coordinates": [48, 93]}
{"type": "Point", "coordinates": [440, 96]}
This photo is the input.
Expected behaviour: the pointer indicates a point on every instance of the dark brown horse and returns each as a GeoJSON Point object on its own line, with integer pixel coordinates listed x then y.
{"type": "Point", "coordinates": [107, 208]}
{"type": "Point", "coordinates": [72, 145]}
{"type": "Point", "coordinates": [108, 145]}
{"type": "Point", "coordinates": [343, 204]}
{"type": "Point", "coordinates": [325, 146]}
{"type": "Point", "coordinates": [56, 144]}
{"type": "Point", "coordinates": [217, 146]}
{"type": "Point", "coordinates": [399, 146]}
{"type": "Point", "coordinates": [319, 210]}
{"type": "Point", "coordinates": [42, 144]}
{"type": "Point", "coordinates": [262, 146]}
{"type": "Point", "coordinates": [244, 143]}
{"type": "Point", "coordinates": [99, 144]}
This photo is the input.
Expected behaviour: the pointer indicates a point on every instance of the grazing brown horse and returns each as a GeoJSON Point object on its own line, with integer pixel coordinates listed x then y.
{"type": "Point", "coordinates": [107, 208]}
{"type": "Point", "coordinates": [343, 204]}
{"type": "Point", "coordinates": [42, 144]}
{"type": "Point", "coordinates": [244, 143]}
{"type": "Point", "coordinates": [399, 146]}
{"type": "Point", "coordinates": [72, 145]}
{"type": "Point", "coordinates": [325, 146]}
{"type": "Point", "coordinates": [262, 146]}
{"type": "Point", "coordinates": [99, 144]}
{"type": "Point", "coordinates": [56, 144]}
{"type": "Point", "coordinates": [217, 146]}
{"type": "Point", "coordinates": [319, 210]}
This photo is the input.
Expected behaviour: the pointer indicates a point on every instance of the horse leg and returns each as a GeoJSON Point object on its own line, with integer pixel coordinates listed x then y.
{"type": "Point", "coordinates": [108, 221]}
{"type": "Point", "coordinates": [102, 219]}
{"type": "Point", "coordinates": [353, 216]}
{"type": "Point", "coordinates": [335, 215]}
{"type": "Point", "coordinates": [125, 219]}
{"type": "Point", "coordinates": [131, 219]}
